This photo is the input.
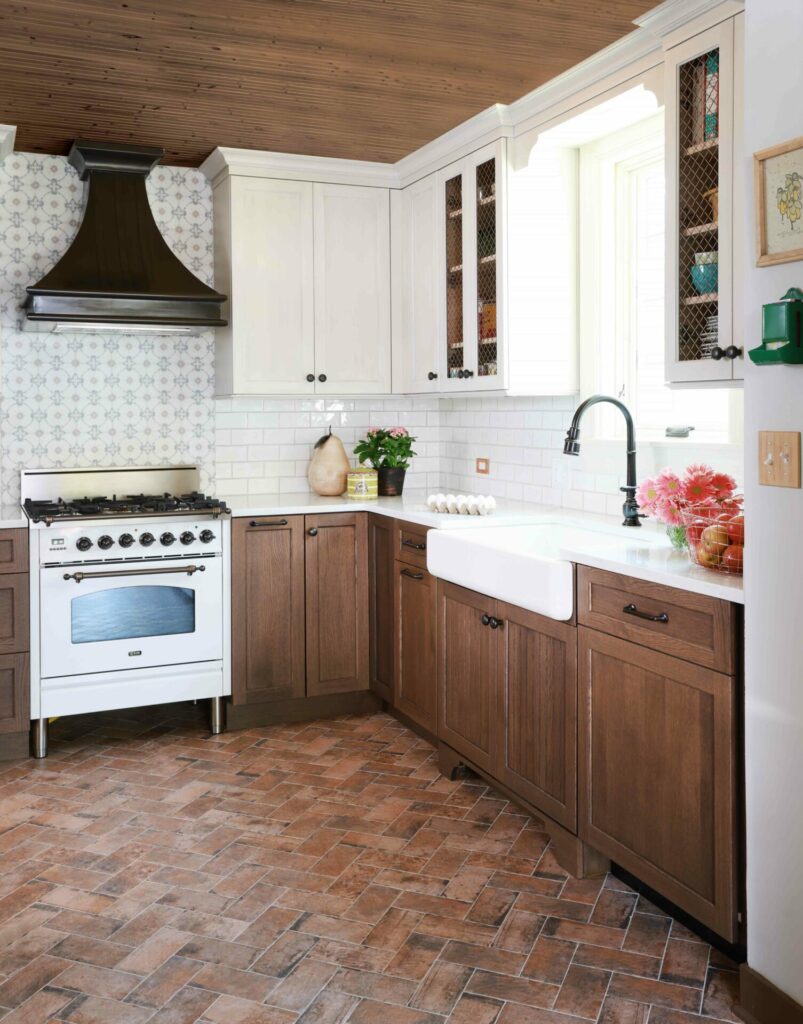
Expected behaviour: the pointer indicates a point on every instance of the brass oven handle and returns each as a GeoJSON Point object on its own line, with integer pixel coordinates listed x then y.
{"type": "Point", "coordinates": [631, 609]}
{"type": "Point", "coordinates": [187, 569]}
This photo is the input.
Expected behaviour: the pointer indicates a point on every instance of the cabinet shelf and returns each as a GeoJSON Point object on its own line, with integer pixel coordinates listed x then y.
{"type": "Point", "coordinates": [700, 229]}
{"type": "Point", "coordinates": [701, 147]}
{"type": "Point", "coordinates": [701, 300]}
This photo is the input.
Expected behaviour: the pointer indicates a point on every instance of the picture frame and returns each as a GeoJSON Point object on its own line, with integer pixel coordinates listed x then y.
{"type": "Point", "coordinates": [778, 194]}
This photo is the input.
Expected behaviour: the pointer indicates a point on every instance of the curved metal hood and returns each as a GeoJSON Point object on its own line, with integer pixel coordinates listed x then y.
{"type": "Point", "coordinates": [119, 273]}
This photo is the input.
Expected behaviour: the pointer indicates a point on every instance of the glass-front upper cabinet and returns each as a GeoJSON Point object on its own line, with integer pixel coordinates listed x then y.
{"type": "Point", "coordinates": [702, 231]}
{"type": "Point", "coordinates": [472, 195]}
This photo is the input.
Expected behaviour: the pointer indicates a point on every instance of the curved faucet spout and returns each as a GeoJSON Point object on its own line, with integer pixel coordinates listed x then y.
{"type": "Point", "coordinates": [571, 446]}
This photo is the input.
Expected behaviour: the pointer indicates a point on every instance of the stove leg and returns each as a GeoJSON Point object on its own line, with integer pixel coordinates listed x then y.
{"type": "Point", "coordinates": [39, 737]}
{"type": "Point", "coordinates": [217, 715]}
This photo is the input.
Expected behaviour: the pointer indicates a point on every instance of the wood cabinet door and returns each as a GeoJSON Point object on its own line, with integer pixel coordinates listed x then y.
{"type": "Point", "coordinates": [337, 603]}
{"type": "Point", "coordinates": [15, 634]}
{"type": "Point", "coordinates": [416, 611]}
{"type": "Point", "coordinates": [352, 289]}
{"type": "Point", "coordinates": [267, 609]}
{"type": "Point", "coordinates": [468, 668]}
{"type": "Point", "coordinates": [658, 773]}
{"type": "Point", "coordinates": [537, 718]}
{"type": "Point", "coordinates": [381, 538]}
{"type": "Point", "coordinates": [270, 342]}
{"type": "Point", "coordinates": [14, 693]}
{"type": "Point", "coordinates": [14, 550]}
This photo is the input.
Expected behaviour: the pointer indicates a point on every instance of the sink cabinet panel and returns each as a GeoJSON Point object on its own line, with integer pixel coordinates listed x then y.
{"type": "Point", "coordinates": [415, 689]}
{"type": "Point", "coordinates": [658, 773]}
{"type": "Point", "coordinates": [537, 718]}
{"type": "Point", "coordinates": [381, 625]}
{"type": "Point", "coordinates": [468, 668]}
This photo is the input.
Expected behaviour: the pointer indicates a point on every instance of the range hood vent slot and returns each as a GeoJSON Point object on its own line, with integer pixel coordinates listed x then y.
{"type": "Point", "coordinates": [119, 272]}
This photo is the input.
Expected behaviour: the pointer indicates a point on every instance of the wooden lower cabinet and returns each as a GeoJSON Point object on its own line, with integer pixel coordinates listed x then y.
{"type": "Point", "coordinates": [381, 623]}
{"type": "Point", "coordinates": [337, 603]}
{"type": "Point", "coordinates": [14, 692]}
{"type": "Point", "coordinates": [267, 609]}
{"type": "Point", "coordinates": [468, 674]}
{"type": "Point", "coordinates": [15, 634]}
{"type": "Point", "coordinates": [416, 665]}
{"type": "Point", "coordinates": [537, 712]}
{"type": "Point", "coordinates": [658, 773]}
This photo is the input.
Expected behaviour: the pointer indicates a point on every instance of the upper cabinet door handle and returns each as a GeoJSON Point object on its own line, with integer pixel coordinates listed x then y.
{"type": "Point", "coordinates": [322, 378]}
{"type": "Point", "coordinates": [310, 378]}
{"type": "Point", "coordinates": [432, 375]}
{"type": "Point", "coordinates": [717, 353]}
{"type": "Point", "coordinates": [468, 373]}
{"type": "Point", "coordinates": [732, 352]}
{"type": "Point", "coordinates": [264, 522]}
{"type": "Point", "coordinates": [631, 609]}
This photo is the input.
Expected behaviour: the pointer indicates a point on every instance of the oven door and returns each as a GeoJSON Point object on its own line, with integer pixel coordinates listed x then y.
{"type": "Point", "coordinates": [118, 616]}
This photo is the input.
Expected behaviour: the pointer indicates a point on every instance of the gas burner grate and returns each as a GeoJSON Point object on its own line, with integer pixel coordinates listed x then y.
{"type": "Point", "coordinates": [125, 505]}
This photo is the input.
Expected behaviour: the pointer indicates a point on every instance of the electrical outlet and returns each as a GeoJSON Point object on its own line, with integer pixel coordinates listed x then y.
{"type": "Point", "coordinates": [779, 458]}
{"type": "Point", "coordinates": [483, 466]}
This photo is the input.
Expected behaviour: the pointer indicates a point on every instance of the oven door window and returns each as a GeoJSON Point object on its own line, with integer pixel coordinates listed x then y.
{"type": "Point", "coordinates": [124, 613]}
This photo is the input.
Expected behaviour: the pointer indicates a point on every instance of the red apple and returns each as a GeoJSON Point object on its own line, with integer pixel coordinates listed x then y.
{"type": "Point", "coordinates": [708, 556]}
{"type": "Point", "coordinates": [733, 558]}
{"type": "Point", "coordinates": [695, 530]}
{"type": "Point", "coordinates": [736, 530]}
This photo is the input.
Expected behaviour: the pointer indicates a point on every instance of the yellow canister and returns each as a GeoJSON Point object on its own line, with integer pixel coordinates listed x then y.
{"type": "Point", "coordinates": [362, 483]}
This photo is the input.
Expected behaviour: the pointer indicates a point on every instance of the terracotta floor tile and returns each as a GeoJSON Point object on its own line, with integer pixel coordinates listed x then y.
{"type": "Point", "coordinates": [309, 873]}
{"type": "Point", "coordinates": [583, 991]}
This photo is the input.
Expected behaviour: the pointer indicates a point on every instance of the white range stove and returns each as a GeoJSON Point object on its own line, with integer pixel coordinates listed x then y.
{"type": "Point", "coordinates": [129, 592]}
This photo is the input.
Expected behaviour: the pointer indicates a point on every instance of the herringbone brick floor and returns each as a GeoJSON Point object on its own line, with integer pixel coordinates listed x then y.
{"type": "Point", "coordinates": [316, 873]}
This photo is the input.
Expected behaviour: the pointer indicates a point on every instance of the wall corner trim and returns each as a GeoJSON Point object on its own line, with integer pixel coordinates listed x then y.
{"type": "Point", "coordinates": [761, 1002]}
{"type": "Point", "coordinates": [8, 134]}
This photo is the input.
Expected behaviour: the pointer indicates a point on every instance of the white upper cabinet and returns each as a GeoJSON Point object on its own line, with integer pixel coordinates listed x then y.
{"type": "Point", "coordinates": [307, 268]}
{"type": "Point", "coordinates": [414, 233]}
{"type": "Point", "coordinates": [352, 289]}
{"type": "Point", "coordinates": [703, 323]}
{"type": "Point", "coordinates": [264, 260]}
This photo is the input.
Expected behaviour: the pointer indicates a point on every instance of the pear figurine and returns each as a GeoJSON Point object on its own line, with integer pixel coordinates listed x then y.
{"type": "Point", "coordinates": [329, 466]}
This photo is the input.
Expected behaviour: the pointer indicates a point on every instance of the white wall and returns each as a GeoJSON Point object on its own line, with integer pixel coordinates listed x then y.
{"type": "Point", "coordinates": [774, 555]}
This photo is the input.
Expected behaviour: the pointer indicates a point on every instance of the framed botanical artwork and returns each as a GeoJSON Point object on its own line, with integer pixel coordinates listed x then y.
{"type": "Point", "coordinates": [779, 203]}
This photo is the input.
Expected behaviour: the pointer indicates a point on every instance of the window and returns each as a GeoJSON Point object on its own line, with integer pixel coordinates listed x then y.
{"type": "Point", "coordinates": [622, 288]}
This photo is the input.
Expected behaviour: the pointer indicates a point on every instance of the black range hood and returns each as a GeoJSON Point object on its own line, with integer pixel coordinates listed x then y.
{"type": "Point", "coordinates": [119, 273]}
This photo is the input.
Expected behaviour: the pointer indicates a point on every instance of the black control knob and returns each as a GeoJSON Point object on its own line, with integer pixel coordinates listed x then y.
{"type": "Point", "coordinates": [205, 536]}
{"type": "Point", "coordinates": [187, 537]}
{"type": "Point", "coordinates": [105, 542]}
{"type": "Point", "coordinates": [83, 543]}
{"type": "Point", "coordinates": [146, 539]}
{"type": "Point", "coordinates": [125, 540]}
{"type": "Point", "coordinates": [167, 539]}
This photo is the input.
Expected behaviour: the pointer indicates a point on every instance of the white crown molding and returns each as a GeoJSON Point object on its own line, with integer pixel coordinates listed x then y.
{"type": "Point", "coordinates": [256, 163]}
{"type": "Point", "coordinates": [7, 135]}
{"type": "Point", "coordinates": [674, 17]}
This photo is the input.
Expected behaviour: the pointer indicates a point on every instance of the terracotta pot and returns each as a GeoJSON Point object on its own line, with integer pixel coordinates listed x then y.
{"type": "Point", "coordinates": [391, 481]}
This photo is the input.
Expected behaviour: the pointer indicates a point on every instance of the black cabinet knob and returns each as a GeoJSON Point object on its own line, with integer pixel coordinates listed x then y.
{"type": "Point", "coordinates": [468, 373]}
{"type": "Point", "coordinates": [432, 375]}
{"type": "Point", "coordinates": [461, 374]}
{"type": "Point", "coordinates": [717, 353]}
{"type": "Point", "coordinates": [322, 378]}
{"type": "Point", "coordinates": [732, 352]}
{"type": "Point", "coordinates": [313, 532]}
{"type": "Point", "coordinates": [486, 620]}
{"type": "Point", "coordinates": [310, 378]}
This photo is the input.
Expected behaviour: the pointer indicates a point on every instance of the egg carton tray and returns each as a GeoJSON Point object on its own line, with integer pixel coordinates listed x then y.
{"type": "Point", "coordinates": [462, 504]}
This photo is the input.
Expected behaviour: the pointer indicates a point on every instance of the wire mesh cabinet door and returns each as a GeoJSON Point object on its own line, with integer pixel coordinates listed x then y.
{"type": "Point", "coordinates": [700, 343]}
{"type": "Point", "coordinates": [471, 211]}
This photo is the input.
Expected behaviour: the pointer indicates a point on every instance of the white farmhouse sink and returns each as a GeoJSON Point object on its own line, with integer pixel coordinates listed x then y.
{"type": "Point", "coordinates": [522, 565]}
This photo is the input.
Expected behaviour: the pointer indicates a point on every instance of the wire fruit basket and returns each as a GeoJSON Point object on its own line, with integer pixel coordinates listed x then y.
{"type": "Point", "coordinates": [715, 535]}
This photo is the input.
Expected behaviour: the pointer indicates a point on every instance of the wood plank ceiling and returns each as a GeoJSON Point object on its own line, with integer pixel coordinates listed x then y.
{"type": "Point", "coordinates": [365, 79]}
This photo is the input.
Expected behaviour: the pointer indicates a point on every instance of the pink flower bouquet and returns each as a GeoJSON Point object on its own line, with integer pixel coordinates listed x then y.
{"type": "Point", "coordinates": [669, 497]}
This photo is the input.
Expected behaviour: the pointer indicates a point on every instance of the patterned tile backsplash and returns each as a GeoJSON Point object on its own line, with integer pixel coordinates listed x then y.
{"type": "Point", "coordinates": [106, 399]}
{"type": "Point", "coordinates": [97, 399]}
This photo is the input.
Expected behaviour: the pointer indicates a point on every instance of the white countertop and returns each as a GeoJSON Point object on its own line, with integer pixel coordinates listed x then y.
{"type": "Point", "coordinates": [12, 518]}
{"type": "Point", "coordinates": [655, 562]}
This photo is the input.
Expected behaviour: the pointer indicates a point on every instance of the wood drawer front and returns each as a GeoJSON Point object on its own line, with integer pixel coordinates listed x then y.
{"type": "Point", "coordinates": [14, 693]}
{"type": "Point", "coordinates": [14, 550]}
{"type": "Point", "coordinates": [657, 771]}
{"type": "Point", "coordinates": [411, 544]}
{"type": "Point", "coordinates": [14, 613]}
{"type": "Point", "coordinates": [699, 629]}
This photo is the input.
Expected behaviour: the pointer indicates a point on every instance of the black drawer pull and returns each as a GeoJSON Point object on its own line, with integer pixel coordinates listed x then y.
{"type": "Point", "coordinates": [412, 544]}
{"type": "Point", "coordinates": [412, 575]}
{"type": "Point", "coordinates": [631, 609]}
{"type": "Point", "coordinates": [264, 522]}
